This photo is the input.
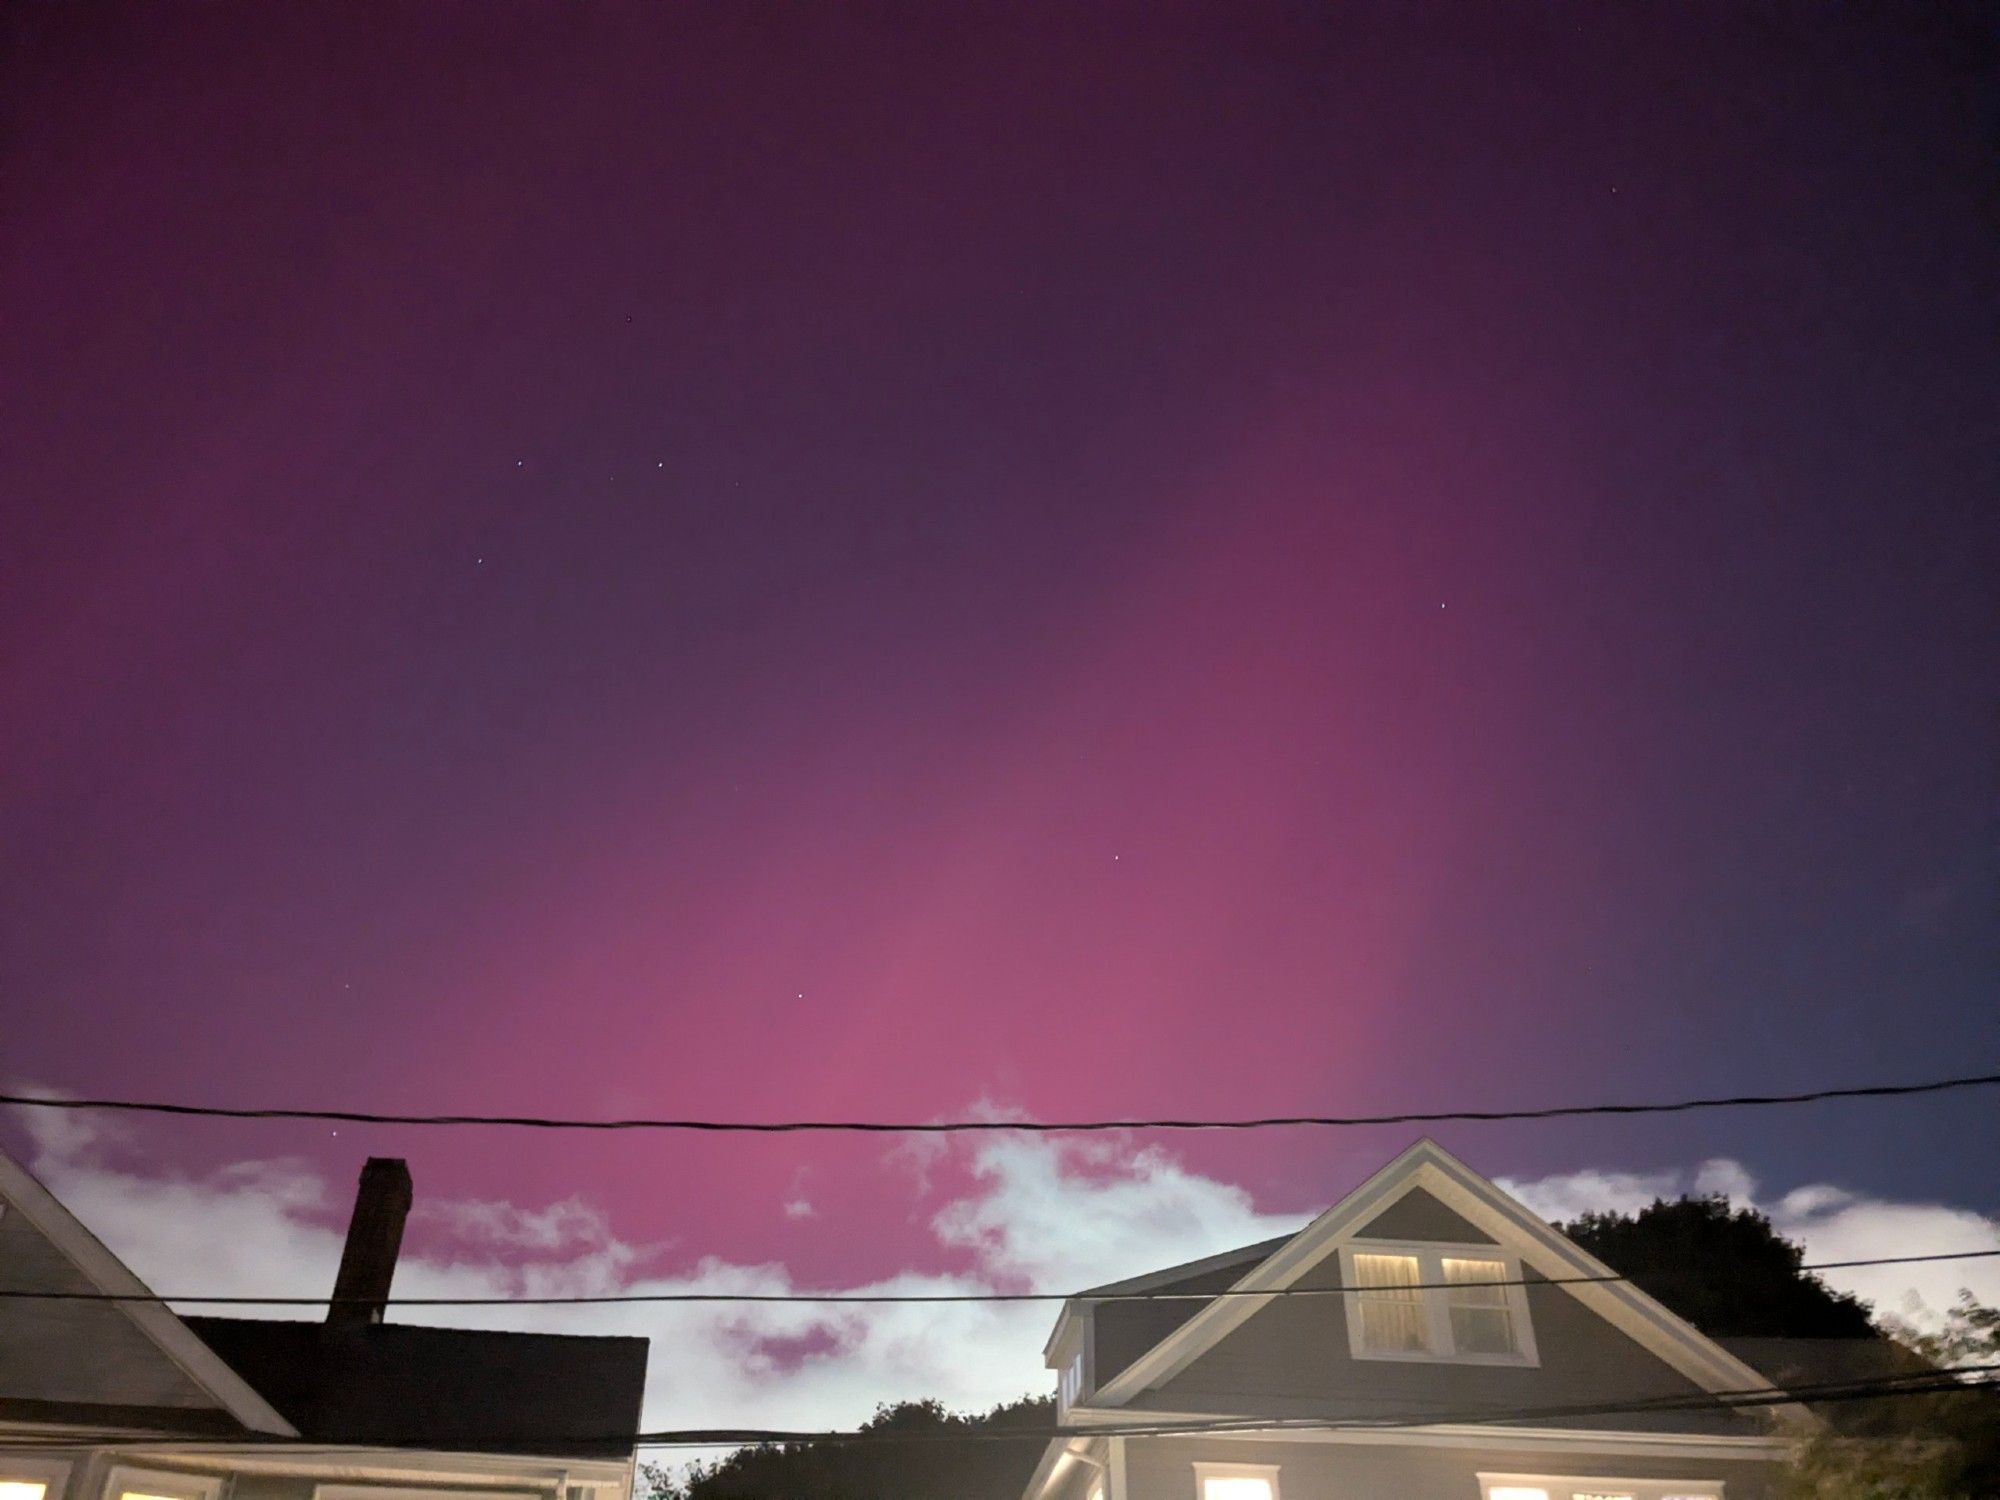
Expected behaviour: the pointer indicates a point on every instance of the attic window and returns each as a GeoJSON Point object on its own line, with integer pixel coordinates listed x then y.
{"type": "Point", "coordinates": [1436, 1302]}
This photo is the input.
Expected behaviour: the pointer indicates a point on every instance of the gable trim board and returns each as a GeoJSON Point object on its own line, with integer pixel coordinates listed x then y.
{"type": "Point", "coordinates": [21, 1193]}
{"type": "Point", "coordinates": [410, 1468]}
{"type": "Point", "coordinates": [1429, 1166]}
{"type": "Point", "coordinates": [1467, 1435]}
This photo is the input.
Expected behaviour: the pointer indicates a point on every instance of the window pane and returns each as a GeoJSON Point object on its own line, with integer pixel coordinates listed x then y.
{"type": "Point", "coordinates": [1482, 1319]}
{"type": "Point", "coordinates": [1392, 1309]}
{"type": "Point", "coordinates": [1479, 1283]}
{"type": "Point", "coordinates": [1482, 1330]}
{"type": "Point", "coordinates": [1235, 1487]}
{"type": "Point", "coordinates": [22, 1489]}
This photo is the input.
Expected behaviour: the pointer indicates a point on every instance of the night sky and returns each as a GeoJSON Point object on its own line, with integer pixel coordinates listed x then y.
{"type": "Point", "coordinates": [766, 561]}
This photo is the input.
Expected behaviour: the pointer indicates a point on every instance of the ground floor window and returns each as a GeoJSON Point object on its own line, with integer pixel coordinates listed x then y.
{"type": "Point", "coordinates": [25, 1478]}
{"type": "Point", "coordinates": [126, 1483]}
{"type": "Point", "coordinates": [1558, 1487]}
{"type": "Point", "coordinates": [1236, 1482]}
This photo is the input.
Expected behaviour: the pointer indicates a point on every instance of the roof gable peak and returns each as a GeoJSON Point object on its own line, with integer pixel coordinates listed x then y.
{"type": "Point", "coordinates": [21, 1192]}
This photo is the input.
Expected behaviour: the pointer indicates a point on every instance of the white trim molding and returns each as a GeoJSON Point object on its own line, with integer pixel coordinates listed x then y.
{"type": "Point", "coordinates": [1740, 1447]}
{"type": "Point", "coordinates": [419, 1492]}
{"type": "Point", "coordinates": [1596, 1487]}
{"type": "Point", "coordinates": [1205, 1471]}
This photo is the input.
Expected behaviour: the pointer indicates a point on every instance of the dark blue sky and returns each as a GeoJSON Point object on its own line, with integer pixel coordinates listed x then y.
{"type": "Point", "coordinates": [1115, 559]}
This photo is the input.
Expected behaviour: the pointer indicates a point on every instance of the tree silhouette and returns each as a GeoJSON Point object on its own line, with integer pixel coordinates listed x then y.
{"type": "Point", "coordinates": [927, 1465]}
{"type": "Point", "coordinates": [1724, 1269]}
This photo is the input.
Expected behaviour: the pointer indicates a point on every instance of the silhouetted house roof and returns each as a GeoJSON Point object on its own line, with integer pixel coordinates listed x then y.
{"type": "Point", "coordinates": [452, 1389]}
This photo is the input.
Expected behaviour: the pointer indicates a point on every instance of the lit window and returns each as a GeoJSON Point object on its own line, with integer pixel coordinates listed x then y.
{"type": "Point", "coordinates": [1481, 1320]}
{"type": "Point", "coordinates": [25, 1478]}
{"type": "Point", "coordinates": [157, 1484]}
{"type": "Point", "coordinates": [1236, 1481]}
{"type": "Point", "coordinates": [1539, 1487]}
{"type": "Point", "coordinates": [1444, 1302]}
{"type": "Point", "coordinates": [1392, 1308]}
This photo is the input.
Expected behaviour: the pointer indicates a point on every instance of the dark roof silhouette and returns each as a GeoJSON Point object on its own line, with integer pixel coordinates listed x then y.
{"type": "Point", "coordinates": [454, 1389]}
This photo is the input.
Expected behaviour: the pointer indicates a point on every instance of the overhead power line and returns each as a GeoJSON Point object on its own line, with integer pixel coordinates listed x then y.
{"type": "Point", "coordinates": [1963, 1380]}
{"type": "Point", "coordinates": [602, 1299]}
{"type": "Point", "coordinates": [1043, 1127]}
{"type": "Point", "coordinates": [1918, 1383]}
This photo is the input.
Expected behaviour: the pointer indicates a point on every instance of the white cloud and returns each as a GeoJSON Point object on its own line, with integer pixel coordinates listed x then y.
{"type": "Point", "coordinates": [1831, 1223]}
{"type": "Point", "coordinates": [1039, 1212]}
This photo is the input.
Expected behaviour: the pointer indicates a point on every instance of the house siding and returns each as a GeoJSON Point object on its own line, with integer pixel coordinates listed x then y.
{"type": "Point", "coordinates": [1122, 1331]}
{"type": "Point", "coordinates": [86, 1352]}
{"type": "Point", "coordinates": [1418, 1215]}
{"type": "Point", "coordinates": [1291, 1359]}
{"type": "Point", "coordinates": [1163, 1469]}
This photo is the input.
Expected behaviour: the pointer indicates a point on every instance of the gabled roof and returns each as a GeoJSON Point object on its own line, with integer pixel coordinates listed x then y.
{"type": "Point", "coordinates": [461, 1390]}
{"type": "Point", "coordinates": [21, 1193]}
{"type": "Point", "coordinates": [1216, 1268]}
{"type": "Point", "coordinates": [1245, 1256]}
{"type": "Point", "coordinates": [1428, 1166]}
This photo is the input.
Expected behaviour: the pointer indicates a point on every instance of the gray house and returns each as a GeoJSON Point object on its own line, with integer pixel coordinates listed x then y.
{"type": "Point", "coordinates": [125, 1400]}
{"type": "Point", "coordinates": [1442, 1349]}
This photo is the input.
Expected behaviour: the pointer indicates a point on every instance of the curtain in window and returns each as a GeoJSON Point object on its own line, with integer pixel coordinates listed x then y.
{"type": "Point", "coordinates": [1392, 1309]}
{"type": "Point", "coordinates": [1482, 1320]}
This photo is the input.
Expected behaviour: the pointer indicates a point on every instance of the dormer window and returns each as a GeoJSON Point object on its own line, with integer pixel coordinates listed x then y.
{"type": "Point", "coordinates": [1425, 1301]}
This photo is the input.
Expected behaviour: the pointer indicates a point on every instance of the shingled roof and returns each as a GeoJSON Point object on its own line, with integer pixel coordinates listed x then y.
{"type": "Point", "coordinates": [459, 1390]}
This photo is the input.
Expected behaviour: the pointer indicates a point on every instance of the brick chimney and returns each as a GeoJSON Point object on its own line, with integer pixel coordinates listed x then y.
{"type": "Point", "coordinates": [374, 1235]}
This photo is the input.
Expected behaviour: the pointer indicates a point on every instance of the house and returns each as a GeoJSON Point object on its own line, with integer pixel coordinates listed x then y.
{"type": "Point", "coordinates": [126, 1400]}
{"type": "Point", "coordinates": [1426, 1338]}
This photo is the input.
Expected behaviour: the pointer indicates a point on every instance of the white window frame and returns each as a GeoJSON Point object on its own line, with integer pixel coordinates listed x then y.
{"type": "Point", "coordinates": [1430, 1257]}
{"type": "Point", "coordinates": [1568, 1486]}
{"type": "Point", "coordinates": [418, 1492]}
{"type": "Point", "coordinates": [1069, 1381]}
{"type": "Point", "coordinates": [129, 1478]}
{"type": "Point", "coordinates": [1203, 1472]}
{"type": "Point", "coordinates": [52, 1473]}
